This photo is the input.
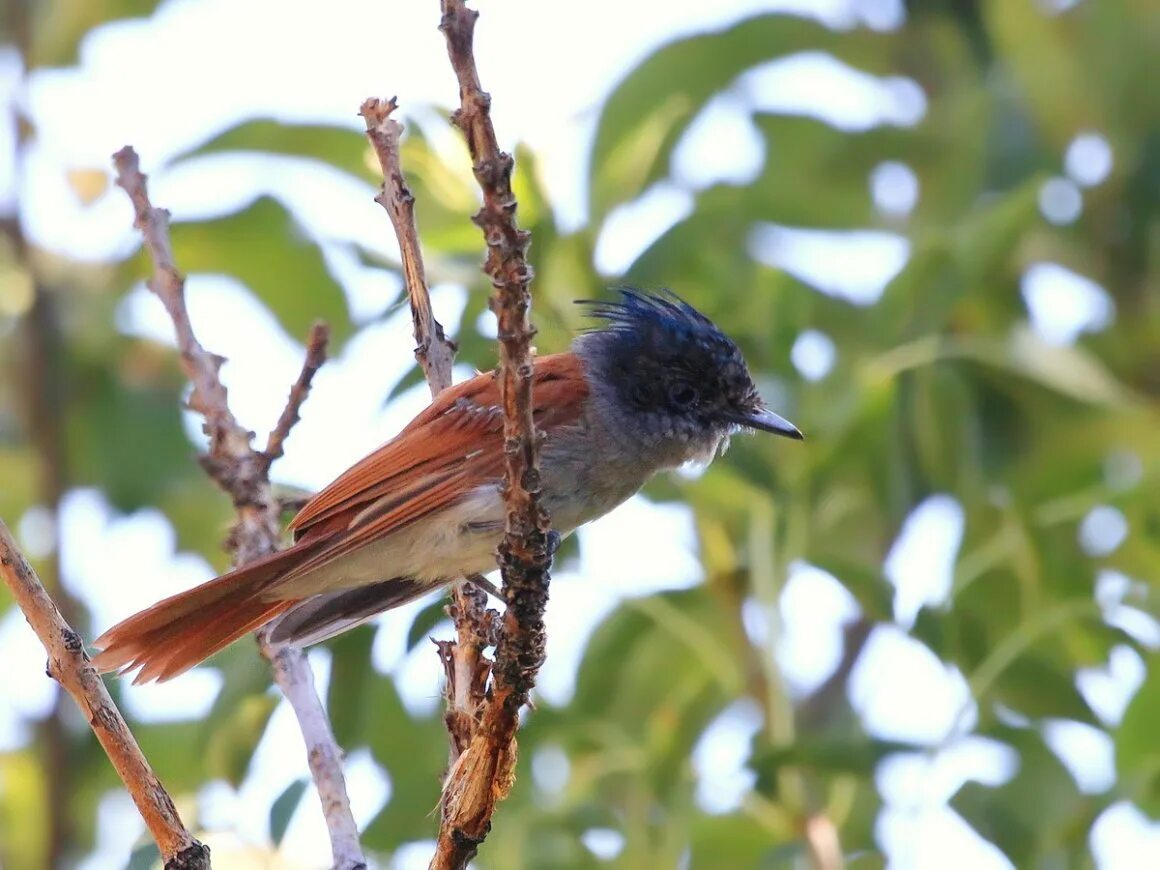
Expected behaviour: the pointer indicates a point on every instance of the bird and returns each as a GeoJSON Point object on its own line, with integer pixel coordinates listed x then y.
{"type": "Point", "coordinates": [653, 385]}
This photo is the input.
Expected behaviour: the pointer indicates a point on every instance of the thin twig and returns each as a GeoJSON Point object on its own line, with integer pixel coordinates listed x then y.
{"type": "Point", "coordinates": [315, 357]}
{"type": "Point", "coordinates": [484, 772]}
{"type": "Point", "coordinates": [69, 666]}
{"type": "Point", "coordinates": [434, 351]}
{"type": "Point", "coordinates": [242, 472]}
{"type": "Point", "coordinates": [822, 843]}
{"type": "Point", "coordinates": [464, 663]}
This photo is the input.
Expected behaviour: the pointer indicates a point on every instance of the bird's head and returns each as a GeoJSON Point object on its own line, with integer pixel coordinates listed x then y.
{"type": "Point", "coordinates": [675, 377]}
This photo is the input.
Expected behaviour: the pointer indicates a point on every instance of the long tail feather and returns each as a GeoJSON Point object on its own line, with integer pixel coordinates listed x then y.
{"type": "Point", "coordinates": [179, 632]}
{"type": "Point", "coordinates": [320, 617]}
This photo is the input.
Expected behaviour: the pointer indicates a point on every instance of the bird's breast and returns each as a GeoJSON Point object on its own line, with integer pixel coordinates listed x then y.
{"type": "Point", "coordinates": [585, 477]}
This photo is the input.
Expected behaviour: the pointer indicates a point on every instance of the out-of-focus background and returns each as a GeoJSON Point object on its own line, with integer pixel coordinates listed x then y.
{"type": "Point", "coordinates": [933, 227]}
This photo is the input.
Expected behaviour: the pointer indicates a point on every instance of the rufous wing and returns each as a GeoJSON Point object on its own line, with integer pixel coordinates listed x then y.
{"type": "Point", "coordinates": [449, 450]}
{"type": "Point", "coordinates": [444, 454]}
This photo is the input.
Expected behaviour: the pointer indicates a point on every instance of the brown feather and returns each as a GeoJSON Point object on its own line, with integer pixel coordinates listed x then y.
{"type": "Point", "coordinates": [462, 429]}
{"type": "Point", "coordinates": [449, 450]}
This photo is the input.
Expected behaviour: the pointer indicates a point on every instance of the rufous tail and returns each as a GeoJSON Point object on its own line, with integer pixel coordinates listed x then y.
{"type": "Point", "coordinates": [173, 635]}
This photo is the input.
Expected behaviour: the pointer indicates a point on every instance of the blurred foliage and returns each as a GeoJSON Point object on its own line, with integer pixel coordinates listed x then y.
{"type": "Point", "coordinates": [938, 386]}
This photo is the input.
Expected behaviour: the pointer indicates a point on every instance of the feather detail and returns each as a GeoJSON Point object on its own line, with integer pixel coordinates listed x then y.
{"type": "Point", "coordinates": [324, 616]}
{"type": "Point", "coordinates": [459, 436]}
{"type": "Point", "coordinates": [447, 453]}
{"type": "Point", "coordinates": [175, 634]}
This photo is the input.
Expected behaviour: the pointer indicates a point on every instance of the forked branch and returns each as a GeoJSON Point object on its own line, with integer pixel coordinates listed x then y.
{"type": "Point", "coordinates": [243, 473]}
{"type": "Point", "coordinates": [464, 663]}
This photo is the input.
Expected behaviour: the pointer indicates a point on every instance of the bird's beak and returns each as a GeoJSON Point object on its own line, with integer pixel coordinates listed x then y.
{"type": "Point", "coordinates": [767, 421]}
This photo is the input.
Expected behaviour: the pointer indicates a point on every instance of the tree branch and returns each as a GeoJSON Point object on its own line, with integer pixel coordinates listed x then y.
{"type": "Point", "coordinates": [69, 666]}
{"type": "Point", "coordinates": [315, 357]}
{"type": "Point", "coordinates": [434, 351]}
{"type": "Point", "coordinates": [822, 843]}
{"type": "Point", "coordinates": [243, 473]}
{"type": "Point", "coordinates": [464, 663]}
{"type": "Point", "coordinates": [484, 772]}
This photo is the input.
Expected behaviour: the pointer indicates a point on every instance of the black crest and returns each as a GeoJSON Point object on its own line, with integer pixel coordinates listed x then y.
{"type": "Point", "coordinates": [671, 362]}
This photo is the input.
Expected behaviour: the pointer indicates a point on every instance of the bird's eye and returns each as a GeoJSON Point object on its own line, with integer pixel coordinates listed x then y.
{"type": "Point", "coordinates": [682, 395]}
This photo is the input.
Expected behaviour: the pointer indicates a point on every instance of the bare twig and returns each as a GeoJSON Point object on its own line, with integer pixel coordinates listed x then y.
{"type": "Point", "coordinates": [242, 472]}
{"type": "Point", "coordinates": [464, 663]}
{"type": "Point", "coordinates": [315, 357]}
{"type": "Point", "coordinates": [434, 351]}
{"type": "Point", "coordinates": [822, 844]}
{"type": "Point", "coordinates": [483, 774]}
{"type": "Point", "coordinates": [69, 666]}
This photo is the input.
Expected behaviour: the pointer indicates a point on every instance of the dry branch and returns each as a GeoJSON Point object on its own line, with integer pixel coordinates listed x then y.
{"type": "Point", "coordinates": [315, 357]}
{"type": "Point", "coordinates": [434, 351]}
{"type": "Point", "coordinates": [483, 774]}
{"type": "Point", "coordinates": [464, 663]}
{"type": "Point", "coordinates": [69, 666]}
{"type": "Point", "coordinates": [243, 473]}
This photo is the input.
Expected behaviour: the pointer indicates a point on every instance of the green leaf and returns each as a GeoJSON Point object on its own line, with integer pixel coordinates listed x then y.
{"type": "Point", "coordinates": [1030, 815]}
{"type": "Point", "coordinates": [264, 248]}
{"type": "Point", "coordinates": [1137, 750]}
{"type": "Point", "coordinates": [1043, 53]}
{"type": "Point", "coordinates": [282, 810]}
{"type": "Point", "coordinates": [736, 841]}
{"type": "Point", "coordinates": [946, 437]}
{"type": "Point", "coordinates": [19, 490]}
{"type": "Point", "coordinates": [869, 586]}
{"type": "Point", "coordinates": [646, 114]}
{"type": "Point", "coordinates": [425, 621]}
{"type": "Point", "coordinates": [1068, 369]}
{"type": "Point", "coordinates": [58, 27]}
{"type": "Point", "coordinates": [1040, 687]}
{"type": "Point", "coordinates": [831, 756]}
{"type": "Point", "coordinates": [234, 740]}
{"type": "Point", "coordinates": [414, 753]}
{"type": "Point", "coordinates": [342, 148]}
{"type": "Point", "coordinates": [129, 398]}
{"type": "Point", "coordinates": [826, 187]}
{"type": "Point", "coordinates": [653, 676]}
{"type": "Point", "coordinates": [352, 680]}
{"type": "Point", "coordinates": [167, 746]}
{"type": "Point", "coordinates": [144, 857]}
{"type": "Point", "coordinates": [988, 237]}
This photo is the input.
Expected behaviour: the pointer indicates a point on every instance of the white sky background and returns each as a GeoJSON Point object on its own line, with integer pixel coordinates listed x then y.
{"type": "Point", "coordinates": [206, 65]}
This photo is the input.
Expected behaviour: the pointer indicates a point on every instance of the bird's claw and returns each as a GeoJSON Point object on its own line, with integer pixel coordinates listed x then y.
{"type": "Point", "coordinates": [481, 582]}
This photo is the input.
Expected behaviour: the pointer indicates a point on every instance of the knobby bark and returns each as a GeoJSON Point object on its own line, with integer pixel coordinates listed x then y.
{"type": "Point", "coordinates": [484, 771]}
{"type": "Point", "coordinates": [465, 663]}
{"type": "Point", "coordinates": [243, 472]}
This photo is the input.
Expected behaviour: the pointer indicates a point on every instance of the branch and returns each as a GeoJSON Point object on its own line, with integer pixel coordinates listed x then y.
{"type": "Point", "coordinates": [464, 663]}
{"type": "Point", "coordinates": [315, 357]}
{"type": "Point", "coordinates": [822, 843]}
{"type": "Point", "coordinates": [69, 666]}
{"type": "Point", "coordinates": [434, 351]}
{"type": "Point", "coordinates": [243, 473]}
{"type": "Point", "coordinates": [484, 772]}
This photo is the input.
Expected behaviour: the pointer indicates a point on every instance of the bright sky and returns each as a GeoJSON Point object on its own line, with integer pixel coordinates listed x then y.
{"type": "Point", "coordinates": [206, 65]}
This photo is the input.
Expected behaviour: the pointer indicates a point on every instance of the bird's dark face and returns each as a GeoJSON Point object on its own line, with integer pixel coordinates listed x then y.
{"type": "Point", "coordinates": [677, 378]}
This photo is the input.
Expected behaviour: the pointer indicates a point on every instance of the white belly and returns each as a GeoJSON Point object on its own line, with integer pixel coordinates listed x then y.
{"type": "Point", "coordinates": [457, 541]}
